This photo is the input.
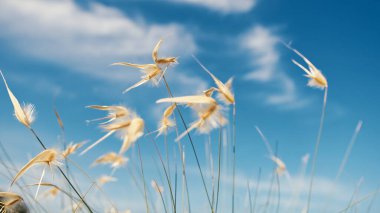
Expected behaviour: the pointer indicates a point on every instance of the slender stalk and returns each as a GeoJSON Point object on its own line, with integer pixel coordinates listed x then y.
{"type": "Point", "coordinates": [192, 146]}
{"type": "Point", "coordinates": [211, 159]}
{"type": "Point", "coordinates": [346, 157]}
{"type": "Point", "coordinates": [163, 201]}
{"type": "Point", "coordinates": [182, 154]}
{"type": "Point", "coordinates": [249, 196]}
{"type": "Point", "coordinates": [316, 150]}
{"type": "Point", "coordinates": [167, 156]}
{"type": "Point", "coordinates": [91, 180]}
{"type": "Point", "coordinates": [143, 177]}
{"type": "Point", "coordinates": [356, 191]}
{"type": "Point", "coordinates": [175, 182]}
{"type": "Point", "coordinates": [279, 193]}
{"type": "Point", "coordinates": [63, 174]}
{"type": "Point", "coordinates": [158, 171]}
{"type": "Point", "coordinates": [257, 189]}
{"type": "Point", "coordinates": [234, 156]}
{"type": "Point", "coordinates": [219, 168]}
{"type": "Point", "coordinates": [270, 191]}
{"type": "Point", "coordinates": [166, 174]}
{"type": "Point", "coordinates": [358, 201]}
{"type": "Point", "coordinates": [184, 176]}
{"type": "Point", "coordinates": [348, 150]}
{"type": "Point", "coordinates": [13, 166]}
{"type": "Point", "coordinates": [373, 200]}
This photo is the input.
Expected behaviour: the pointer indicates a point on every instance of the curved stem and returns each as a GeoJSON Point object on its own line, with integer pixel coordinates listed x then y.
{"type": "Point", "coordinates": [63, 174]}
{"type": "Point", "coordinates": [192, 146]}
{"type": "Point", "coordinates": [316, 150]}
{"type": "Point", "coordinates": [234, 157]}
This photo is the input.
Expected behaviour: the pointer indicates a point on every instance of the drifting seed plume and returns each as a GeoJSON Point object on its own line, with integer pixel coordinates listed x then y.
{"type": "Point", "coordinates": [224, 90]}
{"type": "Point", "coordinates": [122, 121]}
{"type": "Point", "coordinates": [156, 187]}
{"type": "Point", "coordinates": [281, 167]}
{"type": "Point", "coordinates": [25, 114]}
{"type": "Point", "coordinates": [208, 111]}
{"type": "Point", "coordinates": [317, 79]}
{"type": "Point", "coordinates": [152, 72]}
{"type": "Point", "coordinates": [71, 148]}
{"type": "Point", "coordinates": [116, 160]}
{"type": "Point", "coordinates": [114, 112]}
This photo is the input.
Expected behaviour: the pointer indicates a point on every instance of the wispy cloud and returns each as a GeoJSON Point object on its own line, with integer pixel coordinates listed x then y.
{"type": "Point", "coordinates": [85, 39]}
{"type": "Point", "coordinates": [261, 43]}
{"type": "Point", "coordinates": [223, 6]}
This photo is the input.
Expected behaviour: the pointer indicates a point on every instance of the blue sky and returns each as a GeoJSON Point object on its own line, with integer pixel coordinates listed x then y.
{"type": "Point", "coordinates": [59, 53]}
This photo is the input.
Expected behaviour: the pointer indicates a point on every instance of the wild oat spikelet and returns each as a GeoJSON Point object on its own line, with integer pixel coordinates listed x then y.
{"type": "Point", "coordinates": [281, 167]}
{"type": "Point", "coordinates": [317, 79]}
{"type": "Point", "coordinates": [152, 72]}
{"type": "Point", "coordinates": [116, 160]}
{"type": "Point", "coordinates": [71, 148]}
{"type": "Point", "coordinates": [224, 89]}
{"type": "Point", "coordinates": [166, 122]}
{"type": "Point", "coordinates": [162, 61]}
{"type": "Point", "coordinates": [25, 114]}
{"type": "Point", "coordinates": [122, 121]}
{"type": "Point", "coordinates": [209, 112]}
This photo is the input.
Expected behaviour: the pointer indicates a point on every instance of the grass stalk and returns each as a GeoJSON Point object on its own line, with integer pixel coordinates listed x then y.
{"type": "Point", "coordinates": [192, 145]}
{"type": "Point", "coordinates": [316, 150]}
{"type": "Point", "coordinates": [234, 155]}
{"type": "Point", "coordinates": [63, 173]}
{"type": "Point", "coordinates": [143, 179]}
{"type": "Point", "coordinates": [219, 169]}
{"type": "Point", "coordinates": [257, 189]}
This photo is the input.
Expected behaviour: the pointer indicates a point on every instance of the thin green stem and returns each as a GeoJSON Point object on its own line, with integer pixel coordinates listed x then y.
{"type": "Point", "coordinates": [257, 189]}
{"type": "Point", "coordinates": [316, 150]}
{"type": "Point", "coordinates": [63, 174]}
{"type": "Point", "coordinates": [166, 174]}
{"type": "Point", "coordinates": [249, 197]}
{"type": "Point", "coordinates": [192, 146]}
{"type": "Point", "coordinates": [234, 156]}
{"type": "Point", "coordinates": [219, 168]}
{"type": "Point", "coordinates": [143, 177]}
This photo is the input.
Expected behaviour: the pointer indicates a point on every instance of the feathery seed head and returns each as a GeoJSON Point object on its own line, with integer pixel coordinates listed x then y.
{"type": "Point", "coordinates": [166, 122]}
{"type": "Point", "coordinates": [49, 157]}
{"type": "Point", "coordinates": [71, 148]}
{"type": "Point", "coordinates": [316, 78]}
{"type": "Point", "coordinates": [281, 167]}
{"type": "Point", "coordinates": [26, 114]}
{"type": "Point", "coordinates": [224, 90]}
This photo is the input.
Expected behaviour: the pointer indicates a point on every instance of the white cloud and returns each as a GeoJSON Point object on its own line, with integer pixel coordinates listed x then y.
{"type": "Point", "coordinates": [85, 40]}
{"type": "Point", "coordinates": [224, 6]}
{"type": "Point", "coordinates": [261, 43]}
